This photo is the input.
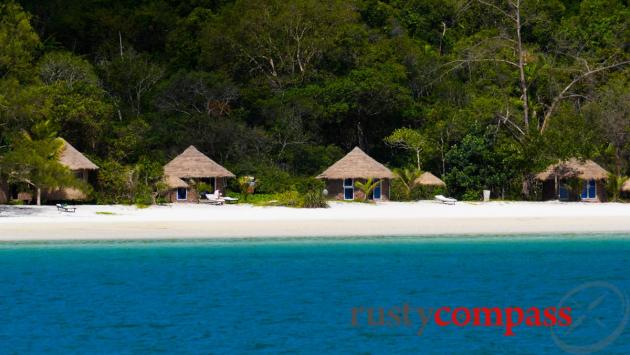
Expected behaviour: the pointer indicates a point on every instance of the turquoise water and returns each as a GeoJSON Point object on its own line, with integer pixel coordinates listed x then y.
{"type": "Point", "coordinates": [274, 296]}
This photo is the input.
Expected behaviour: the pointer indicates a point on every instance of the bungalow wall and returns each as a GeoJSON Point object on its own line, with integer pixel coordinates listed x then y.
{"type": "Point", "coordinates": [602, 195]}
{"type": "Point", "coordinates": [192, 196]}
{"type": "Point", "coordinates": [336, 190]}
{"type": "Point", "coordinates": [68, 193]}
{"type": "Point", "coordinates": [549, 191]}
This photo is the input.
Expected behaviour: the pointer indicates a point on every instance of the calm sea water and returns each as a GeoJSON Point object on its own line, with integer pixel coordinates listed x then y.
{"type": "Point", "coordinates": [275, 296]}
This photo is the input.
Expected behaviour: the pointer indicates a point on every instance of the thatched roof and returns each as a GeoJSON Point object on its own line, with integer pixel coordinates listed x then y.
{"type": "Point", "coordinates": [73, 159]}
{"type": "Point", "coordinates": [429, 179]}
{"type": "Point", "coordinates": [574, 168]}
{"type": "Point", "coordinates": [356, 164]}
{"type": "Point", "coordinates": [174, 182]}
{"type": "Point", "coordinates": [194, 164]}
{"type": "Point", "coordinates": [626, 186]}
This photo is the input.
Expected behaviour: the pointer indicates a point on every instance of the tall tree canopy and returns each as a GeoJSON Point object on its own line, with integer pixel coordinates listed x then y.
{"type": "Point", "coordinates": [484, 92]}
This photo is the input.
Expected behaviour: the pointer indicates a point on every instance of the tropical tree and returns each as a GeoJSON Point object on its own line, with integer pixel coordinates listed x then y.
{"type": "Point", "coordinates": [505, 46]}
{"type": "Point", "coordinates": [407, 178]}
{"type": "Point", "coordinates": [408, 139]}
{"type": "Point", "coordinates": [35, 161]}
{"type": "Point", "coordinates": [366, 187]}
{"type": "Point", "coordinates": [615, 183]}
{"type": "Point", "coordinates": [611, 112]}
{"type": "Point", "coordinates": [18, 41]}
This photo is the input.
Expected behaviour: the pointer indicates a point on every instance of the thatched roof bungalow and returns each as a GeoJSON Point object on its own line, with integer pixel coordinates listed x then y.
{"type": "Point", "coordinates": [83, 168]}
{"type": "Point", "coordinates": [589, 175]}
{"type": "Point", "coordinates": [73, 159]}
{"type": "Point", "coordinates": [428, 179]}
{"type": "Point", "coordinates": [626, 186]}
{"type": "Point", "coordinates": [356, 166]}
{"type": "Point", "coordinates": [191, 167]}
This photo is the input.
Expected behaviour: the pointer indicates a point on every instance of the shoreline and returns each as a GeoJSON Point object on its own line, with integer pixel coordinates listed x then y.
{"type": "Point", "coordinates": [412, 219]}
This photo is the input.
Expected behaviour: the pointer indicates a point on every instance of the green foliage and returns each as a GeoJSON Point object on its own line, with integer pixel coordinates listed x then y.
{"type": "Point", "coordinates": [34, 160]}
{"type": "Point", "coordinates": [271, 179]}
{"type": "Point", "coordinates": [479, 163]}
{"type": "Point", "coordinates": [614, 185]}
{"type": "Point", "coordinates": [67, 68]}
{"type": "Point", "coordinates": [427, 192]}
{"type": "Point", "coordinates": [409, 139]}
{"type": "Point", "coordinates": [366, 187]}
{"type": "Point", "coordinates": [280, 90]}
{"type": "Point", "coordinates": [314, 199]}
{"type": "Point", "coordinates": [18, 41]}
{"type": "Point", "coordinates": [131, 77]}
{"type": "Point", "coordinates": [139, 184]}
{"type": "Point", "coordinates": [399, 191]}
{"type": "Point", "coordinates": [288, 199]}
{"type": "Point", "coordinates": [246, 186]}
{"type": "Point", "coordinates": [405, 182]}
{"type": "Point", "coordinates": [115, 183]}
{"type": "Point", "coordinates": [203, 188]}
{"type": "Point", "coordinates": [308, 184]}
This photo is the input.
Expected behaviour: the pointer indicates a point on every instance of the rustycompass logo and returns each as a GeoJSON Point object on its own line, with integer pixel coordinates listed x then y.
{"type": "Point", "coordinates": [508, 318]}
{"type": "Point", "coordinates": [600, 311]}
{"type": "Point", "coordinates": [587, 319]}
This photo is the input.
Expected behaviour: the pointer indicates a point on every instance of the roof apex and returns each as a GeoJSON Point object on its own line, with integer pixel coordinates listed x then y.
{"type": "Point", "coordinates": [192, 163]}
{"type": "Point", "coordinates": [356, 164]}
{"type": "Point", "coordinates": [70, 157]}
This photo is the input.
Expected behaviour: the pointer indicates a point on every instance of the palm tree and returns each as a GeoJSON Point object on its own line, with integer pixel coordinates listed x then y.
{"type": "Point", "coordinates": [366, 187]}
{"type": "Point", "coordinates": [615, 183]}
{"type": "Point", "coordinates": [408, 178]}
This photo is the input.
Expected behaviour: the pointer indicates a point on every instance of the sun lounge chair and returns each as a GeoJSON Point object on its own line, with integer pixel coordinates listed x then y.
{"type": "Point", "coordinates": [215, 198]}
{"type": "Point", "coordinates": [230, 199]}
{"type": "Point", "coordinates": [445, 200]}
{"type": "Point", "coordinates": [65, 208]}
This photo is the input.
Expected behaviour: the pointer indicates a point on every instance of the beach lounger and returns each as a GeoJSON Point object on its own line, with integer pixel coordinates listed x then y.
{"type": "Point", "coordinates": [65, 208]}
{"type": "Point", "coordinates": [228, 199]}
{"type": "Point", "coordinates": [215, 198]}
{"type": "Point", "coordinates": [445, 200]}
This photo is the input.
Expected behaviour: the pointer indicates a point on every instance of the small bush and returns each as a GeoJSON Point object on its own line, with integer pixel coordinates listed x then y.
{"type": "Point", "coordinates": [308, 184]}
{"type": "Point", "coordinates": [273, 180]}
{"type": "Point", "coordinates": [472, 195]}
{"type": "Point", "coordinates": [289, 199]}
{"type": "Point", "coordinates": [203, 188]}
{"type": "Point", "coordinates": [314, 199]}
{"type": "Point", "coordinates": [427, 192]}
{"type": "Point", "coordinates": [398, 192]}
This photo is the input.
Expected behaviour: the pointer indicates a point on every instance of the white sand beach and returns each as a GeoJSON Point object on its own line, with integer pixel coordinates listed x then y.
{"type": "Point", "coordinates": [421, 218]}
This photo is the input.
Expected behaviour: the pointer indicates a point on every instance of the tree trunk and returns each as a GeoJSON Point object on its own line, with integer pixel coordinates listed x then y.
{"type": "Point", "coordinates": [418, 158]}
{"type": "Point", "coordinates": [521, 67]}
{"type": "Point", "coordinates": [39, 196]}
{"type": "Point", "coordinates": [618, 161]}
{"type": "Point", "coordinates": [442, 155]}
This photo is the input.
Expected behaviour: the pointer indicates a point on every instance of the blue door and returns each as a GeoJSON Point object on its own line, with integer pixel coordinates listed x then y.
{"type": "Point", "coordinates": [376, 193]}
{"type": "Point", "coordinates": [182, 193]}
{"type": "Point", "coordinates": [589, 189]}
{"type": "Point", "coordinates": [348, 189]}
{"type": "Point", "coordinates": [563, 192]}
